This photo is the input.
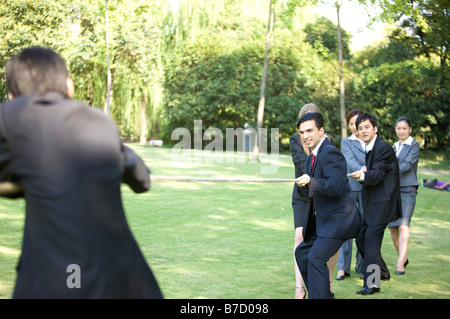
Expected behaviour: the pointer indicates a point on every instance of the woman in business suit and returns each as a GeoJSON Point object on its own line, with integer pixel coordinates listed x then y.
{"type": "Point", "coordinates": [407, 151]}
{"type": "Point", "coordinates": [299, 154]}
{"type": "Point", "coordinates": [355, 157]}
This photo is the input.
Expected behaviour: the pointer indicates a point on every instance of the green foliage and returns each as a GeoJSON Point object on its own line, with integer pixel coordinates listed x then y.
{"type": "Point", "coordinates": [399, 47]}
{"type": "Point", "coordinates": [324, 32]}
{"type": "Point", "coordinates": [75, 29]}
{"type": "Point", "coordinates": [433, 34]}
{"type": "Point", "coordinates": [217, 80]}
{"type": "Point", "coordinates": [213, 83]}
{"type": "Point", "coordinates": [135, 59]}
{"type": "Point", "coordinates": [29, 23]}
{"type": "Point", "coordinates": [193, 59]}
{"type": "Point", "coordinates": [413, 88]}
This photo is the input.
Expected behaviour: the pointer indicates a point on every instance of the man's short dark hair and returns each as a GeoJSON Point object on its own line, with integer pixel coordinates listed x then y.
{"type": "Point", "coordinates": [366, 116]}
{"type": "Point", "coordinates": [36, 71]}
{"type": "Point", "coordinates": [316, 117]}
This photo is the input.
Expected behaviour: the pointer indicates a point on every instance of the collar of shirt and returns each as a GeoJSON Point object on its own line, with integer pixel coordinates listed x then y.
{"type": "Point", "coordinates": [370, 145]}
{"type": "Point", "coordinates": [316, 149]}
{"type": "Point", "coordinates": [353, 137]}
{"type": "Point", "coordinates": [408, 141]}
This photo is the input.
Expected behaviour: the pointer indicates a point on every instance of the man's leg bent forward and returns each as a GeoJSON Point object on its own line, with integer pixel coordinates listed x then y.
{"type": "Point", "coordinates": [318, 273]}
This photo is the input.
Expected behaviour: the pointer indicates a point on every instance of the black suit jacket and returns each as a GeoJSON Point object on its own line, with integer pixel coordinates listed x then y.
{"type": "Point", "coordinates": [381, 186]}
{"type": "Point", "coordinates": [299, 158]}
{"type": "Point", "coordinates": [337, 215]}
{"type": "Point", "coordinates": [71, 162]}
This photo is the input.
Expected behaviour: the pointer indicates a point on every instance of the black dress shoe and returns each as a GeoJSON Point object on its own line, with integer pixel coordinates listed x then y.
{"type": "Point", "coordinates": [368, 291]}
{"type": "Point", "coordinates": [386, 277]}
{"type": "Point", "coordinates": [400, 272]}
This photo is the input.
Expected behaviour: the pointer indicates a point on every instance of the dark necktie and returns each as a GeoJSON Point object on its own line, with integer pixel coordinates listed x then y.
{"type": "Point", "coordinates": [312, 163]}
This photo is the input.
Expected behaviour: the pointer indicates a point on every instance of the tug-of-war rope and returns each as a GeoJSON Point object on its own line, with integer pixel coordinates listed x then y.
{"type": "Point", "coordinates": [11, 188]}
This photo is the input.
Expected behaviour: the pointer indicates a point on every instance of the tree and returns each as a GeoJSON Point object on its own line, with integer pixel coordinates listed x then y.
{"type": "Point", "coordinates": [108, 69]}
{"type": "Point", "coordinates": [217, 79]}
{"type": "Point", "coordinates": [434, 35]}
{"type": "Point", "coordinates": [428, 20]}
{"type": "Point", "coordinates": [29, 23]}
{"type": "Point", "coordinates": [426, 93]}
{"type": "Point", "coordinates": [203, 60]}
{"type": "Point", "coordinates": [411, 88]}
{"type": "Point", "coordinates": [332, 41]}
{"type": "Point", "coordinates": [398, 46]}
{"type": "Point", "coordinates": [262, 97]}
{"type": "Point", "coordinates": [134, 38]}
{"type": "Point", "coordinates": [341, 76]}
{"type": "Point", "coordinates": [323, 34]}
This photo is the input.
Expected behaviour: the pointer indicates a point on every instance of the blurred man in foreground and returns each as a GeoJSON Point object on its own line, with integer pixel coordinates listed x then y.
{"type": "Point", "coordinates": [70, 161]}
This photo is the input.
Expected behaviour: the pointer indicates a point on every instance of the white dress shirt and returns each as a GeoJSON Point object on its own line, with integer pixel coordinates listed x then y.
{"type": "Point", "coordinates": [399, 144]}
{"type": "Point", "coordinates": [367, 148]}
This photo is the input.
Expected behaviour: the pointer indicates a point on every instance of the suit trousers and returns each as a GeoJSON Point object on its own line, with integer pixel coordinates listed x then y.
{"type": "Point", "coordinates": [369, 245]}
{"type": "Point", "coordinates": [345, 254]}
{"type": "Point", "coordinates": [312, 256]}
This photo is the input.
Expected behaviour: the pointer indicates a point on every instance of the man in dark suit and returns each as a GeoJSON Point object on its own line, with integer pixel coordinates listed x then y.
{"type": "Point", "coordinates": [70, 161]}
{"type": "Point", "coordinates": [332, 216]}
{"type": "Point", "coordinates": [381, 200]}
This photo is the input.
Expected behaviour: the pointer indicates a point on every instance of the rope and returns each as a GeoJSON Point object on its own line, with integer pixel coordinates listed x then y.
{"type": "Point", "coordinates": [11, 188]}
{"type": "Point", "coordinates": [156, 178]}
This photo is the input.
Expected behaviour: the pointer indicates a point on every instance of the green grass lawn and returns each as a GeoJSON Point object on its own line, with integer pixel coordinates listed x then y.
{"type": "Point", "coordinates": [235, 240]}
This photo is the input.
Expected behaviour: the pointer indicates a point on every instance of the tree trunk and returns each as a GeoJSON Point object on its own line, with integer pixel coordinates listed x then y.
{"type": "Point", "coordinates": [143, 135]}
{"type": "Point", "coordinates": [107, 107]}
{"type": "Point", "coordinates": [341, 78]}
{"type": "Point", "coordinates": [263, 89]}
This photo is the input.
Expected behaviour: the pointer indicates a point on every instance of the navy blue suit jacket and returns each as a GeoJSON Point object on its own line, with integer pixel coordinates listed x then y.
{"type": "Point", "coordinates": [337, 215]}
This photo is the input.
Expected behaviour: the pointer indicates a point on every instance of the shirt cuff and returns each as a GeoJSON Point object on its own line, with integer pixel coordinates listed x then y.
{"type": "Point", "coordinates": [361, 178]}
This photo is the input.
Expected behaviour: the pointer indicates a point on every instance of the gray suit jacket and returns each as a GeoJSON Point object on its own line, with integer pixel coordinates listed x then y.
{"type": "Point", "coordinates": [355, 157]}
{"type": "Point", "coordinates": [407, 163]}
{"type": "Point", "coordinates": [71, 163]}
